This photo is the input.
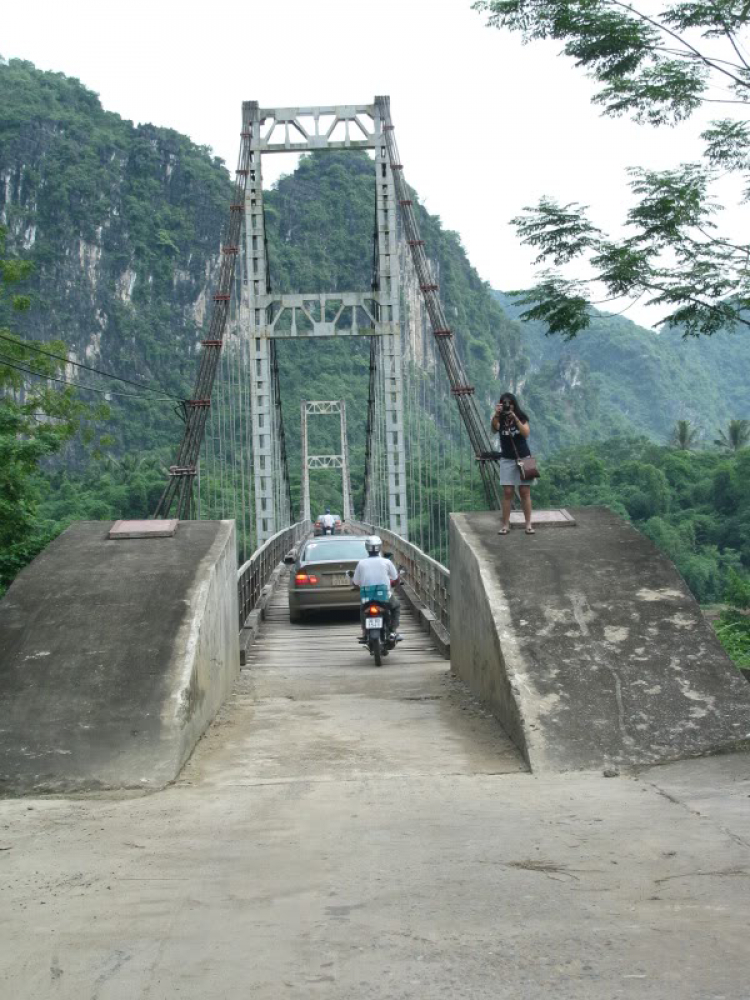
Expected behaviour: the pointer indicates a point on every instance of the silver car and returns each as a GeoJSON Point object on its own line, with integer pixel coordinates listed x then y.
{"type": "Point", "coordinates": [318, 580]}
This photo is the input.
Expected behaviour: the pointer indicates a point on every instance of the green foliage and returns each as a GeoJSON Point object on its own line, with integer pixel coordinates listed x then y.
{"type": "Point", "coordinates": [735, 437]}
{"type": "Point", "coordinates": [733, 626]}
{"type": "Point", "coordinates": [659, 69]}
{"type": "Point", "coordinates": [684, 436]}
{"type": "Point", "coordinates": [696, 508]}
{"type": "Point", "coordinates": [35, 421]}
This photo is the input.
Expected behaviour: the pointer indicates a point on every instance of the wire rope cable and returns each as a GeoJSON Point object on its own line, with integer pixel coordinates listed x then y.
{"type": "Point", "coordinates": [28, 345]}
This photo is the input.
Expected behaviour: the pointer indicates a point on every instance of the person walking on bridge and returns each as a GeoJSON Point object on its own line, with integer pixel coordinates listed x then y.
{"type": "Point", "coordinates": [511, 427]}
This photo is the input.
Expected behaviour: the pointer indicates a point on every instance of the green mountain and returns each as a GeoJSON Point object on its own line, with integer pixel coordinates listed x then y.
{"type": "Point", "coordinates": [641, 381]}
{"type": "Point", "coordinates": [123, 224]}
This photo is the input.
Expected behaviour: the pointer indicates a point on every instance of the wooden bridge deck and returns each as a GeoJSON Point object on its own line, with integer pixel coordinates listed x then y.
{"type": "Point", "coordinates": [311, 705]}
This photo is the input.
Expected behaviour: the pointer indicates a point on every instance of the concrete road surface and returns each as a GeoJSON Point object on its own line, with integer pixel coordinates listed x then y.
{"type": "Point", "coordinates": [348, 832]}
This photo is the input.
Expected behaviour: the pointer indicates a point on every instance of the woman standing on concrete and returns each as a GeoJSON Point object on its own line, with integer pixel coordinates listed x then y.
{"type": "Point", "coordinates": [511, 427]}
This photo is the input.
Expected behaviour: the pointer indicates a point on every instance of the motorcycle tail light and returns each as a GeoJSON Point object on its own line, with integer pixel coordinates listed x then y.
{"type": "Point", "coordinates": [374, 610]}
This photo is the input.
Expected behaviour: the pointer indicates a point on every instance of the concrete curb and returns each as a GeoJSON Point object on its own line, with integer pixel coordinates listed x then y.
{"type": "Point", "coordinates": [251, 628]}
{"type": "Point", "coordinates": [427, 620]}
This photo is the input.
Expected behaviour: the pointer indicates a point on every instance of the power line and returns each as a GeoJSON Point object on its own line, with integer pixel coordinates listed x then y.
{"type": "Point", "coordinates": [79, 385]}
{"type": "Point", "coordinates": [79, 364]}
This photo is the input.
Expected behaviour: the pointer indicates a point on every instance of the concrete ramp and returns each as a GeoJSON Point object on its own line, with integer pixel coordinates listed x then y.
{"type": "Point", "coordinates": [587, 644]}
{"type": "Point", "coordinates": [114, 656]}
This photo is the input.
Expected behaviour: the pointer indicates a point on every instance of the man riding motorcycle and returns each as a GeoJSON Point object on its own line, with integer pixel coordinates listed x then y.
{"type": "Point", "coordinates": [370, 572]}
{"type": "Point", "coordinates": [327, 522]}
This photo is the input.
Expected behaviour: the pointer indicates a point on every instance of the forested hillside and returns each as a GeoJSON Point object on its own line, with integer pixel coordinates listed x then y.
{"type": "Point", "coordinates": [642, 381]}
{"type": "Point", "coordinates": [122, 225]}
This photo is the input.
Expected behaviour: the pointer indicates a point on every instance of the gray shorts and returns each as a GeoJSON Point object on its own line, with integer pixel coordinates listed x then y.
{"type": "Point", "coordinates": [510, 474]}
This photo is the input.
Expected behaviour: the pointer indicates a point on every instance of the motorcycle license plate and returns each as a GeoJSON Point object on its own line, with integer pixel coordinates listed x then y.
{"type": "Point", "coordinates": [374, 623]}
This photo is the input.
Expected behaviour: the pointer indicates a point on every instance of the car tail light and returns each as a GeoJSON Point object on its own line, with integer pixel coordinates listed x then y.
{"type": "Point", "coordinates": [301, 579]}
{"type": "Point", "coordinates": [374, 609]}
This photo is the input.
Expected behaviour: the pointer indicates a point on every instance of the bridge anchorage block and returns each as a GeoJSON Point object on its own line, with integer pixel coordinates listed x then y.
{"type": "Point", "coordinates": [221, 297]}
{"type": "Point", "coordinates": [246, 135]}
{"type": "Point", "coordinates": [230, 249]}
{"type": "Point", "coordinates": [428, 288]}
{"type": "Point", "coordinates": [443, 333]}
{"type": "Point", "coordinates": [388, 128]}
{"type": "Point", "coordinates": [212, 343]}
{"type": "Point", "coordinates": [406, 202]}
{"type": "Point", "coordinates": [241, 172]}
{"type": "Point", "coordinates": [397, 166]}
{"type": "Point", "coordinates": [463, 390]}
{"type": "Point", "coordinates": [182, 470]}
{"type": "Point", "coordinates": [415, 243]}
{"type": "Point", "coordinates": [198, 403]}
{"type": "Point", "coordinates": [236, 208]}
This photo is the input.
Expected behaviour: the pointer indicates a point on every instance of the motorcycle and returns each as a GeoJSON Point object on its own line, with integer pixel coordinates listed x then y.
{"type": "Point", "coordinates": [377, 620]}
{"type": "Point", "coordinates": [378, 630]}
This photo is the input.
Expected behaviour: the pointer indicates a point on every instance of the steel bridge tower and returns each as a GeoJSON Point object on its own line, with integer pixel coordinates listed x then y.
{"type": "Point", "coordinates": [269, 316]}
{"type": "Point", "coordinates": [325, 407]}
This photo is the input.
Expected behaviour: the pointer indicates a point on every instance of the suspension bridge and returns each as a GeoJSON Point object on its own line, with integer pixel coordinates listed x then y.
{"type": "Point", "coordinates": [319, 812]}
{"type": "Point", "coordinates": [421, 410]}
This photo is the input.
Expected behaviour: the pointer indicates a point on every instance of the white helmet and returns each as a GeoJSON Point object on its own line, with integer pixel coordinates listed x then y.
{"type": "Point", "coordinates": [373, 543]}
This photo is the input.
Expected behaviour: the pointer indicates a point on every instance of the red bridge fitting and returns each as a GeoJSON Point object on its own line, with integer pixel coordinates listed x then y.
{"type": "Point", "coordinates": [236, 208]}
{"type": "Point", "coordinates": [428, 288]}
{"type": "Point", "coordinates": [415, 243]}
{"type": "Point", "coordinates": [397, 166]}
{"type": "Point", "coordinates": [443, 333]}
{"type": "Point", "coordinates": [211, 343]}
{"type": "Point", "coordinates": [182, 470]}
{"type": "Point", "coordinates": [198, 403]}
{"type": "Point", "coordinates": [241, 172]}
{"type": "Point", "coordinates": [230, 249]}
{"type": "Point", "coordinates": [463, 390]}
{"type": "Point", "coordinates": [246, 135]}
{"type": "Point", "coordinates": [405, 202]}
{"type": "Point", "coordinates": [221, 297]}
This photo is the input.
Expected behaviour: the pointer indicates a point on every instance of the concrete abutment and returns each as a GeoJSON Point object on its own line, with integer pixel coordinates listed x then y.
{"type": "Point", "coordinates": [588, 646]}
{"type": "Point", "coordinates": [115, 655]}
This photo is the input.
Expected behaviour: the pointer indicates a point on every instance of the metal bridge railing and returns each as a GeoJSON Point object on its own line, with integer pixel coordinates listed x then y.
{"type": "Point", "coordinates": [253, 575]}
{"type": "Point", "coordinates": [428, 578]}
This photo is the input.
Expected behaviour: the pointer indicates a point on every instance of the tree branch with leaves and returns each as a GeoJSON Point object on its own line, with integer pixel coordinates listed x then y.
{"type": "Point", "coordinates": [659, 69]}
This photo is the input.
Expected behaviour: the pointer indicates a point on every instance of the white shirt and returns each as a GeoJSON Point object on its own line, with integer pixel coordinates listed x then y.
{"type": "Point", "coordinates": [327, 521]}
{"type": "Point", "coordinates": [374, 570]}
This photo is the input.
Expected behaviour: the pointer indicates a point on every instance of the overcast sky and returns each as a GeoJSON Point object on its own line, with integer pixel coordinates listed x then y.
{"type": "Point", "coordinates": [484, 124]}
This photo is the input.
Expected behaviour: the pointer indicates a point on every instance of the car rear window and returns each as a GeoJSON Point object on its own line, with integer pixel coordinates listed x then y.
{"type": "Point", "coordinates": [335, 549]}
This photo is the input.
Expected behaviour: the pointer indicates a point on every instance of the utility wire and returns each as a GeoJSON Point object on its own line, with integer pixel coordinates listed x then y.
{"type": "Point", "coordinates": [79, 364]}
{"type": "Point", "coordinates": [88, 388]}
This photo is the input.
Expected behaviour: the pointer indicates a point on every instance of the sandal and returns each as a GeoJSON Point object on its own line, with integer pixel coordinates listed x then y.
{"type": "Point", "coordinates": [503, 531]}
{"type": "Point", "coordinates": [530, 530]}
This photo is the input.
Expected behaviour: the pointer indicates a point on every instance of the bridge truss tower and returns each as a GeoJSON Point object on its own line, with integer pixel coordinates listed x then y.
{"type": "Point", "coordinates": [318, 407]}
{"type": "Point", "coordinates": [269, 316]}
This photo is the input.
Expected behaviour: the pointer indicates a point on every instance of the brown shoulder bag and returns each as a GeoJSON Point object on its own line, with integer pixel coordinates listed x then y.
{"type": "Point", "coordinates": [526, 466]}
